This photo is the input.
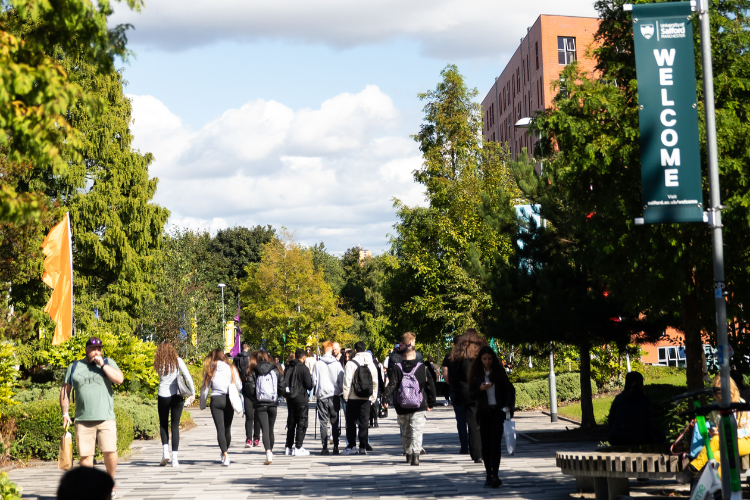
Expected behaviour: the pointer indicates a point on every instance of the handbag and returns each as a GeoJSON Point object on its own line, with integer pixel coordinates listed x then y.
{"type": "Point", "coordinates": [183, 388]}
{"type": "Point", "coordinates": [65, 457]}
{"type": "Point", "coordinates": [234, 396]}
{"type": "Point", "coordinates": [509, 430]}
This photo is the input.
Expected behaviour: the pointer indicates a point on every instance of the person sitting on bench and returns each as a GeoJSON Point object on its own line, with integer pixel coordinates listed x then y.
{"type": "Point", "coordinates": [630, 416]}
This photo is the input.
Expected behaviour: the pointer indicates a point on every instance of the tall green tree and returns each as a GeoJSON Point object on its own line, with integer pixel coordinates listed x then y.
{"type": "Point", "coordinates": [428, 287]}
{"type": "Point", "coordinates": [330, 265]}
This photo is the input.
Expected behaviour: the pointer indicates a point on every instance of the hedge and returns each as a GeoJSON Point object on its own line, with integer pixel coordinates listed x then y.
{"type": "Point", "coordinates": [536, 393]}
{"type": "Point", "coordinates": [39, 429]}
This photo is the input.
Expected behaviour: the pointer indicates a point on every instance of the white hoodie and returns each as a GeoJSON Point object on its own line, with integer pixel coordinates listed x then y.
{"type": "Point", "coordinates": [365, 359]}
{"type": "Point", "coordinates": [327, 377]}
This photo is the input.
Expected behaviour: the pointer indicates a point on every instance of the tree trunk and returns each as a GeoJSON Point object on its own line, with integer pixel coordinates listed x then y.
{"type": "Point", "coordinates": [587, 405]}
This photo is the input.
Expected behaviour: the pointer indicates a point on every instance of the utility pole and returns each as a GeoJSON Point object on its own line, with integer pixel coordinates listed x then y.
{"type": "Point", "coordinates": [552, 384]}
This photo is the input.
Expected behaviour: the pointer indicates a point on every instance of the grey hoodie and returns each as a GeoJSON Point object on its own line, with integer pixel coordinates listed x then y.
{"type": "Point", "coordinates": [327, 377]}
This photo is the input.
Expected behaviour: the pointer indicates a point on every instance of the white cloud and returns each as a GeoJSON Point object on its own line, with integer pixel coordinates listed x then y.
{"type": "Point", "coordinates": [330, 173]}
{"type": "Point", "coordinates": [444, 28]}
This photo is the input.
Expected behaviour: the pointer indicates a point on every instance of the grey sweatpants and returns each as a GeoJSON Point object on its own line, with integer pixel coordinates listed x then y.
{"type": "Point", "coordinates": [328, 411]}
{"type": "Point", "coordinates": [412, 428]}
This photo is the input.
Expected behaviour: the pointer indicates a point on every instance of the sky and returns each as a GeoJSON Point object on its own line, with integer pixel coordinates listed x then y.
{"type": "Point", "coordinates": [298, 114]}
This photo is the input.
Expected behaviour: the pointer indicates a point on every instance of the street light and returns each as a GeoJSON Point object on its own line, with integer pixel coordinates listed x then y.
{"type": "Point", "coordinates": [223, 322]}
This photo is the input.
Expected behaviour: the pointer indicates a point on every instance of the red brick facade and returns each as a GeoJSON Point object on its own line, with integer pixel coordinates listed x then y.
{"type": "Point", "coordinates": [524, 86]}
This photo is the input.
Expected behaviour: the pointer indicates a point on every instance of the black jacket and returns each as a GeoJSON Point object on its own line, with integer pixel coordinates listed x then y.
{"type": "Point", "coordinates": [458, 378]}
{"type": "Point", "coordinates": [505, 393]}
{"type": "Point", "coordinates": [426, 383]}
{"type": "Point", "coordinates": [241, 362]}
{"type": "Point", "coordinates": [263, 368]}
{"type": "Point", "coordinates": [301, 372]}
{"type": "Point", "coordinates": [397, 356]}
{"type": "Point", "coordinates": [631, 421]}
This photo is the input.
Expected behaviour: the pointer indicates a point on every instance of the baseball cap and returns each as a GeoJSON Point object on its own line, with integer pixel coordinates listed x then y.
{"type": "Point", "coordinates": [95, 341]}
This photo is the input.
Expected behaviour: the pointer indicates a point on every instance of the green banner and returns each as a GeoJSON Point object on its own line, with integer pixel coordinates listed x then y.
{"type": "Point", "coordinates": [670, 152]}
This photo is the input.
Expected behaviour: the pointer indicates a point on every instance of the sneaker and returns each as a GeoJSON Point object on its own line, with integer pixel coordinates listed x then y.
{"type": "Point", "coordinates": [363, 451]}
{"type": "Point", "coordinates": [269, 457]}
{"type": "Point", "coordinates": [408, 458]}
{"type": "Point", "coordinates": [300, 452]}
{"type": "Point", "coordinates": [114, 492]}
{"type": "Point", "coordinates": [335, 449]}
{"type": "Point", "coordinates": [368, 447]}
{"type": "Point", "coordinates": [287, 451]}
{"type": "Point", "coordinates": [488, 481]}
{"type": "Point", "coordinates": [349, 451]}
{"type": "Point", "coordinates": [164, 460]}
{"type": "Point", "coordinates": [256, 443]}
{"type": "Point", "coordinates": [225, 462]}
{"type": "Point", "coordinates": [496, 482]}
{"type": "Point", "coordinates": [175, 462]}
{"type": "Point", "coordinates": [415, 459]}
{"type": "Point", "coordinates": [249, 443]}
{"type": "Point", "coordinates": [325, 452]}
{"type": "Point", "coordinates": [464, 451]}
{"type": "Point", "coordinates": [422, 452]}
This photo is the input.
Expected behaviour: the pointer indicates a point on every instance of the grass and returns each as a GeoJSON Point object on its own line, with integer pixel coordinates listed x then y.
{"type": "Point", "coordinates": [661, 383]}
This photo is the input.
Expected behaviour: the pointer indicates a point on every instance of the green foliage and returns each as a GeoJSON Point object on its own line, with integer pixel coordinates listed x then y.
{"type": "Point", "coordinates": [39, 429]}
{"type": "Point", "coordinates": [330, 265]}
{"type": "Point", "coordinates": [8, 373]}
{"type": "Point", "coordinates": [144, 414]}
{"type": "Point", "coordinates": [134, 357]}
{"type": "Point", "coordinates": [8, 489]}
{"type": "Point", "coordinates": [601, 410]}
{"type": "Point", "coordinates": [536, 393]}
{"type": "Point", "coordinates": [241, 247]}
{"type": "Point", "coordinates": [428, 288]}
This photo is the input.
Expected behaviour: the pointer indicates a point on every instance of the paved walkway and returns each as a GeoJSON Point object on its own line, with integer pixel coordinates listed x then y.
{"type": "Point", "coordinates": [530, 474]}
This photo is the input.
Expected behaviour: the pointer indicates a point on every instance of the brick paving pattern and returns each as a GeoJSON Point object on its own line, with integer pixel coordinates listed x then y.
{"type": "Point", "coordinates": [442, 473]}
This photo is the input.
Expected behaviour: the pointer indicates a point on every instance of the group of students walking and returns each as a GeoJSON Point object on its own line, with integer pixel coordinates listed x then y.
{"type": "Point", "coordinates": [480, 391]}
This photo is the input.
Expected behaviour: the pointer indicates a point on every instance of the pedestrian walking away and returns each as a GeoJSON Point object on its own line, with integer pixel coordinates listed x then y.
{"type": "Point", "coordinates": [360, 390]}
{"type": "Point", "coordinates": [375, 407]}
{"type": "Point", "coordinates": [245, 366]}
{"type": "Point", "coordinates": [91, 380]}
{"type": "Point", "coordinates": [298, 381]}
{"type": "Point", "coordinates": [413, 387]}
{"type": "Point", "coordinates": [264, 387]}
{"type": "Point", "coordinates": [462, 356]}
{"type": "Point", "coordinates": [328, 386]}
{"type": "Point", "coordinates": [456, 398]}
{"type": "Point", "coordinates": [171, 368]}
{"type": "Point", "coordinates": [491, 389]}
{"type": "Point", "coordinates": [218, 375]}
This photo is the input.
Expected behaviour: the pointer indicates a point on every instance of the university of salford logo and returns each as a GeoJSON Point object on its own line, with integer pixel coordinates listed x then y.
{"type": "Point", "coordinates": [647, 30]}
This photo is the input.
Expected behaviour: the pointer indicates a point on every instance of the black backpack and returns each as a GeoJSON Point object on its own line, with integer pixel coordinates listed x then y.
{"type": "Point", "coordinates": [291, 383]}
{"type": "Point", "coordinates": [362, 381]}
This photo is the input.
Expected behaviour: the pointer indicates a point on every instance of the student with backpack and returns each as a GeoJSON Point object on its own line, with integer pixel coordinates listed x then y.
{"type": "Point", "coordinates": [298, 382]}
{"type": "Point", "coordinates": [413, 389]}
{"type": "Point", "coordinates": [264, 386]}
{"type": "Point", "coordinates": [360, 391]}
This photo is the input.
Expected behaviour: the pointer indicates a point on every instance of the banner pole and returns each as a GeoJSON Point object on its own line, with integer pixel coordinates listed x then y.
{"type": "Point", "coordinates": [717, 236]}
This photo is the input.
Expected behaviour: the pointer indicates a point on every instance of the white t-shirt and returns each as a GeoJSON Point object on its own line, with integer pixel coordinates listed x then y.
{"type": "Point", "coordinates": [491, 399]}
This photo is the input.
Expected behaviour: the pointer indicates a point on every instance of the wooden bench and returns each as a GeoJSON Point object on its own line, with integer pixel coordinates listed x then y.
{"type": "Point", "coordinates": [607, 472]}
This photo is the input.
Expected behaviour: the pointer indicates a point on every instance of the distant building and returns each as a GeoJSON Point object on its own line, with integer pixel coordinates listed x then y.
{"type": "Point", "coordinates": [364, 254]}
{"type": "Point", "coordinates": [524, 86]}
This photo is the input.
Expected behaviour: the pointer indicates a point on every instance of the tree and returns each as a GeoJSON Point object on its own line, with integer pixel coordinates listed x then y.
{"type": "Point", "coordinates": [591, 143]}
{"type": "Point", "coordinates": [286, 303]}
{"type": "Point", "coordinates": [330, 265]}
{"type": "Point", "coordinates": [428, 288]}
{"type": "Point", "coordinates": [241, 247]}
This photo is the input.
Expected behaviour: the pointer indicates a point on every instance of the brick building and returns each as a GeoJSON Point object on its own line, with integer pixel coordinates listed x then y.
{"type": "Point", "coordinates": [524, 86]}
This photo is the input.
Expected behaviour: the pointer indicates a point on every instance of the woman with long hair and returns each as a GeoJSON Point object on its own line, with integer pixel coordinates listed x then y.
{"type": "Point", "coordinates": [264, 386]}
{"type": "Point", "coordinates": [464, 352]}
{"type": "Point", "coordinates": [218, 375]}
{"type": "Point", "coordinates": [169, 366]}
{"type": "Point", "coordinates": [252, 424]}
{"type": "Point", "coordinates": [630, 418]}
{"type": "Point", "coordinates": [490, 387]}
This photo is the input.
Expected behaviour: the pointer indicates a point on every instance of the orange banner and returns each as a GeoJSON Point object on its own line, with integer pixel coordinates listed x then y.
{"type": "Point", "coordinates": [58, 275]}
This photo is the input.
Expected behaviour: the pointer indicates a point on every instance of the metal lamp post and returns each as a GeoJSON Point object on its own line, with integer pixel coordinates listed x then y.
{"type": "Point", "coordinates": [223, 321]}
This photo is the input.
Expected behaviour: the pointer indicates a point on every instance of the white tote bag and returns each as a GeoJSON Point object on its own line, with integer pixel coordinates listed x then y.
{"type": "Point", "coordinates": [509, 430]}
{"type": "Point", "coordinates": [234, 396]}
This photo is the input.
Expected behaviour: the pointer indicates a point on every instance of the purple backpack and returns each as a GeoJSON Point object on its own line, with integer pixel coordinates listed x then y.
{"type": "Point", "coordinates": [409, 395]}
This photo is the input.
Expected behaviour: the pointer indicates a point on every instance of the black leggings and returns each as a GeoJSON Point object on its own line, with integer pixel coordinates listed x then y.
{"type": "Point", "coordinates": [175, 404]}
{"type": "Point", "coordinates": [223, 413]}
{"type": "Point", "coordinates": [491, 428]}
{"type": "Point", "coordinates": [252, 424]}
{"type": "Point", "coordinates": [267, 418]}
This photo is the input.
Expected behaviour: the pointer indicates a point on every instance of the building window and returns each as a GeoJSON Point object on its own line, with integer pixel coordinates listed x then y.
{"type": "Point", "coordinates": [566, 49]}
{"type": "Point", "coordinates": [524, 71]}
{"type": "Point", "coordinates": [536, 48]}
{"type": "Point", "coordinates": [518, 80]}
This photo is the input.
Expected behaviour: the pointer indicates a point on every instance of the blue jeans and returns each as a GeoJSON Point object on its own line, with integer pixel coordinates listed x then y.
{"type": "Point", "coordinates": [461, 425]}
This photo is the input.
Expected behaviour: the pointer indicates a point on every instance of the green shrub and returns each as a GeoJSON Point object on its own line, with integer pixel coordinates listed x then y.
{"type": "Point", "coordinates": [144, 413]}
{"type": "Point", "coordinates": [536, 392]}
{"type": "Point", "coordinates": [39, 429]}
{"type": "Point", "coordinates": [37, 394]}
{"type": "Point", "coordinates": [8, 489]}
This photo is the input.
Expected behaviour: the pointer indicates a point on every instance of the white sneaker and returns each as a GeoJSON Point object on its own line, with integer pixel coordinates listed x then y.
{"type": "Point", "coordinates": [225, 462]}
{"type": "Point", "coordinates": [288, 451]}
{"type": "Point", "coordinates": [269, 457]}
{"type": "Point", "coordinates": [164, 460]}
{"type": "Point", "coordinates": [301, 452]}
{"type": "Point", "coordinates": [349, 451]}
{"type": "Point", "coordinates": [175, 462]}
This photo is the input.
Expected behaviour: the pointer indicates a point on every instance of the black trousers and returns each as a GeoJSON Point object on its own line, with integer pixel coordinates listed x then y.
{"type": "Point", "coordinates": [296, 422]}
{"type": "Point", "coordinates": [472, 421]}
{"type": "Point", "coordinates": [267, 418]}
{"type": "Point", "coordinates": [252, 424]}
{"type": "Point", "coordinates": [357, 411]}
{"type": "Point", "coordinates": [491, 429]}
{"type": "Point", "coordinates": [223, 414]}
{"type": "Point", "coordinates": [173, 405]}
